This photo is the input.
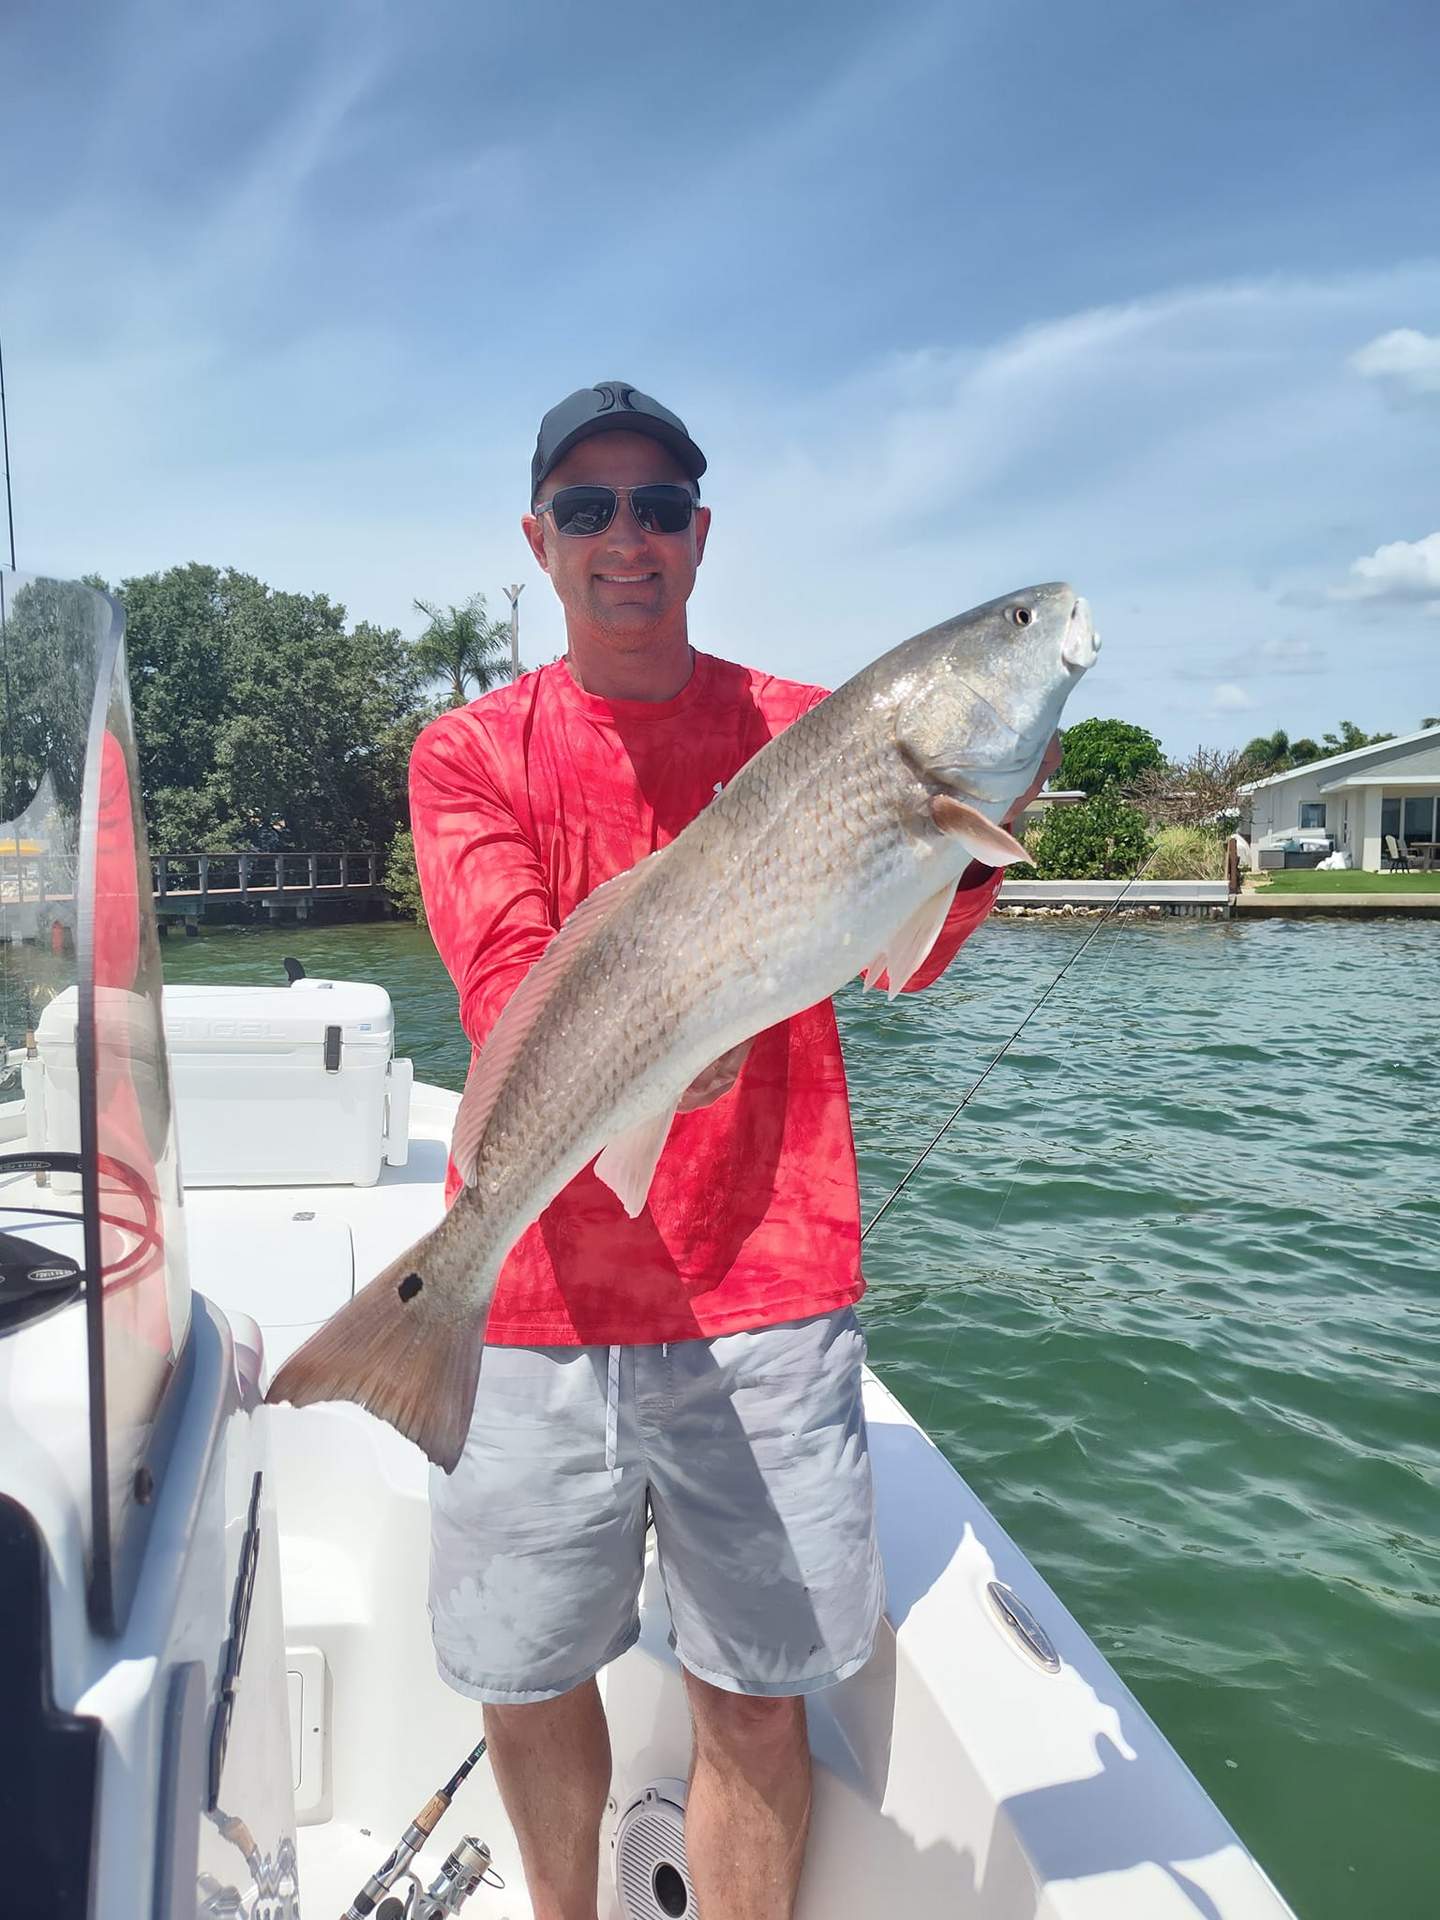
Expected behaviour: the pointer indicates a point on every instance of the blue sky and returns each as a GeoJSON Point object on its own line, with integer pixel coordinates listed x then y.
{"type": "Point", "coordinates": [954, 297]}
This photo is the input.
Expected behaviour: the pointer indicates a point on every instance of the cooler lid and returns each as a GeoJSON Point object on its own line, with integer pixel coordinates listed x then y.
{"type": "Point", "coordinates": [201, 1017]}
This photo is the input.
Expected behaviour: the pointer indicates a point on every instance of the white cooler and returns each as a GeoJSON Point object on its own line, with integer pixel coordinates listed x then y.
{"type": "Point", "coordinates": [274, 1086]}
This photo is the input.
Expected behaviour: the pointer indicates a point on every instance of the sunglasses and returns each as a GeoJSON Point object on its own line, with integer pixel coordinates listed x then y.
{"type": "Point", "coordinates": [662, 508]}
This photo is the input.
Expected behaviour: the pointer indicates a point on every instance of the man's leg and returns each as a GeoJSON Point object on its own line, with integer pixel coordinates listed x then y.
{"type": "Point", "coordinates": [537, 1549]}
{"type": "Point", "coordinates": [552, 1764]}
{"type": "Point", "coordinates": [748, 1809]}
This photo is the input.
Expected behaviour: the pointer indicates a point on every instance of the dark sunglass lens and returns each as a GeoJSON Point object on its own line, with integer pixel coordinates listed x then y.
{"type": "Point", "coordinates": [583, 510]}
{"type": "Point", "coordinates": [663, 509]}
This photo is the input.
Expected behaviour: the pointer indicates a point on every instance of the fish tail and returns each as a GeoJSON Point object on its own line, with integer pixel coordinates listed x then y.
{"type": "Point", "coordinates": [395, 1350]}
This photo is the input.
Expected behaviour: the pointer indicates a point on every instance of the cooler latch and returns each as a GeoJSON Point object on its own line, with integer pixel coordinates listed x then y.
{"type": "Point", "coordinates": [332, 1049]}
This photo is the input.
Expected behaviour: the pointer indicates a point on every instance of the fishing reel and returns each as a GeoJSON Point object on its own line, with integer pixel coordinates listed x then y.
{"type": "Point", "coordinates": [466, 1867]}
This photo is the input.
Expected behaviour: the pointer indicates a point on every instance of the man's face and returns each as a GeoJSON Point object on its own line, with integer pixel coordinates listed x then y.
{"type": "Point", "coordinates": [625, 582]}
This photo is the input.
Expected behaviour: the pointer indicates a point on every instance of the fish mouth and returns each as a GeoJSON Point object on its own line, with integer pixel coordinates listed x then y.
{"type": "Point", "coordinates": [1081, 645]}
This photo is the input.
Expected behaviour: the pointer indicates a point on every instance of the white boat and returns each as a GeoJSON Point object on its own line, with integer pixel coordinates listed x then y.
{"type": "Point", "coordinates": [218, 1658]}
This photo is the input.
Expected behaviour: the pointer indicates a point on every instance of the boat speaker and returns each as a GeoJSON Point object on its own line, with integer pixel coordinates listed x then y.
{"type": "Point", "coordinates": [652, 1876]}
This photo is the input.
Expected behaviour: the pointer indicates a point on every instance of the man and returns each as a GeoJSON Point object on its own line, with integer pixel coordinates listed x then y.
{"type": "Point", "coordinates": [702, 1359]}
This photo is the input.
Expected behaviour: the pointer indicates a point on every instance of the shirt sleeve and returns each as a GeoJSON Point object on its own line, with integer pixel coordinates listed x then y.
{"type": "Point", "coordinates": [482, 879]}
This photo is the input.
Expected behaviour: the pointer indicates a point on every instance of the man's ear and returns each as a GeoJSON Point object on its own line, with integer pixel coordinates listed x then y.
{"type": "Point", "coordinates": [702, 532]}
{"type": "Point", "coordinates": [534, 532]}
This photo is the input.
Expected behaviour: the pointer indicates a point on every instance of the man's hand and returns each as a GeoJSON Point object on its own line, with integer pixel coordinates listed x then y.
{"type": "Point", "coordinates": [1048, 765]}
{"type": "Point", "coordinates": [717, 1079]}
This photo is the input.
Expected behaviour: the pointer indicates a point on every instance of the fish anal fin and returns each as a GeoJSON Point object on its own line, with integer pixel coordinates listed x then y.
{"type": "Point", "coordinates": [524, 1007]}
{"type": "Point", "coordinates": [979, 836]}
{"type": "Point", "coordinates": [627, 1164]}
{"type": "Point", "coordinates": [394, 1350]}
{"type": "Point", "coordinates": [908, 947]}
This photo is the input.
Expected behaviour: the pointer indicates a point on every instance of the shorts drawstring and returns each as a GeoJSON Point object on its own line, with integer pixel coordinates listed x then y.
{"type": "Point", "coordinates": [612, 1410]}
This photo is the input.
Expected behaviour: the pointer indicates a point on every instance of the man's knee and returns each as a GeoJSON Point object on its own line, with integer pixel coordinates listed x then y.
{"type": "Point", "coordinates": [535, 1718]}
{"type": "Point", "coordinates": [752, 1723]}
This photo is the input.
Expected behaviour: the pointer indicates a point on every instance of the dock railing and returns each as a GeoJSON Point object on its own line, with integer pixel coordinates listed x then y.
{"type": "Point", "coordinates": [202, 877]}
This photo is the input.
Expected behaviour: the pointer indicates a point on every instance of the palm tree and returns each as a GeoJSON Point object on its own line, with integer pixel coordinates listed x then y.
{"type": "Point", "coordinates": [463, 645]}
{"type": "Point", "coordinates": [1270, 752]}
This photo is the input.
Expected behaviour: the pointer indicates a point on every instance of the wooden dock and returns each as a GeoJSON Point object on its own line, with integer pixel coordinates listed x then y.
{"type": "Point", "coordinates": [190, 886]}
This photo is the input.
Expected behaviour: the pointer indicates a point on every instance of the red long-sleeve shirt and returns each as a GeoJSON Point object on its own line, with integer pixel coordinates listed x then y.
{"type": "Point", "coordinates": [522, 803]}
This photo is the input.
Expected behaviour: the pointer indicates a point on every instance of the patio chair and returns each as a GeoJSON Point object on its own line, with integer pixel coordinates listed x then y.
{"type": "Point", "coordinates": [1397, 855]}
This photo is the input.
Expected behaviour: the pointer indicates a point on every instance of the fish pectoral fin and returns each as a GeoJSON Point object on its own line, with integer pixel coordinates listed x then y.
{"type": "Point", "coordinates": [908, 947]}
{"type": "Point", "coordinates": [980, 837]}
{"type": "Point", "coordinates": [627, 1164]}
{"type": "Point", "coordinates": [397, 1350]}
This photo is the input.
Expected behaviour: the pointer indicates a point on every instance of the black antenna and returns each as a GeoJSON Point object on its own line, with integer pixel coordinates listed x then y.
{"type": "Point", "coordinates": [5, 437]}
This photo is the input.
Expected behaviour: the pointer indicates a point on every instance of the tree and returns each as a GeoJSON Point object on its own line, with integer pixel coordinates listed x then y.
{"type": "Point", "coordinates": [1199, 791]}
{"type": "Point", "coordinates": [1278, 753]}
{"type": "Point", "coordinates": [1104, 838]}
{"type": "Point", "coordinates": [253, 706]}
{"type": "Point", "coordinates": [49, 646]}
{"type": "Point", "coordinates": [1350, 737]}
{"type": "Point", "coordinates": [463, 644]}
{"type": "Point", "coordinates": [1431, 720]}
{"type": "Point", "coordinates": [1268, 753]}
{"type": "Point", "coordinates": [402, 878]}
{"type": "Point", "coordinates": [1104, 753]}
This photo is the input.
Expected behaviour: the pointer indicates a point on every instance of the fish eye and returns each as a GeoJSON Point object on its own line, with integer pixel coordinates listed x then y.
{"type": "Point", "coordinates": [1022, 616]}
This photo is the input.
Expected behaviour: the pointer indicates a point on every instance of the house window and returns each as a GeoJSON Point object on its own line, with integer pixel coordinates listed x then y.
{"type": "Point", "coordinates": [1420, 818]}
{"type": "Point", "coordinates": [1389, 820]}
{"type": "Point", "coordinates": [1312, 813]}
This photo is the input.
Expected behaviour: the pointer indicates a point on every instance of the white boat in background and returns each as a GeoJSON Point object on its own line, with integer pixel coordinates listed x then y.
{"type": "Point", "coordinates": [218, 1658]}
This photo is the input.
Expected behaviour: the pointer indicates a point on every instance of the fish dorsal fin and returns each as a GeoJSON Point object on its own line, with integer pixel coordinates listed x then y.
{"type": "Point", "coordinates": [908, 947]}
{"type": "Point", "coordinates": [627, 1164]}
{"type": "Point", "coordinates": [524, 1007]}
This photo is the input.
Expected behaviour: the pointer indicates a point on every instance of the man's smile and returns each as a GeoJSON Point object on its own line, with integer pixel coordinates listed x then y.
{"type": "Point", "coordinates": [626, 579]}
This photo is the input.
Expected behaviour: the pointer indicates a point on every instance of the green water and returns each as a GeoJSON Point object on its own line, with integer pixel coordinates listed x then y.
{"type": "Point", "coordinates": [1167, 1296]}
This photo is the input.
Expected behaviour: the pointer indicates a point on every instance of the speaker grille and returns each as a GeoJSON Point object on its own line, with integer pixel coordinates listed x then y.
{"type": "Point", "coordinates": [651, 1872]}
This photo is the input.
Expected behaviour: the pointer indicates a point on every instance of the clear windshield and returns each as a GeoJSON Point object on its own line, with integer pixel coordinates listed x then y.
{"type": "Point", "coordinates": [84, 1065]}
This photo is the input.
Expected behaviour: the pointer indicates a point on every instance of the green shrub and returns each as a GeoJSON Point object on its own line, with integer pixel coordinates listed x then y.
{"type": "Point", "coordinates": [1096, 754]}
{"type": "Point", "coordinates": [1188, 853]}
{"type": "Point", "coordinates": [1104, 838]}
{"type": "Point", "coordinates": [402, 881]}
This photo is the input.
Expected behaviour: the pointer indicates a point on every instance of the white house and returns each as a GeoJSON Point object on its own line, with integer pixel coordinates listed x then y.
{"type": "Point", "coordinates": [1358, 798]}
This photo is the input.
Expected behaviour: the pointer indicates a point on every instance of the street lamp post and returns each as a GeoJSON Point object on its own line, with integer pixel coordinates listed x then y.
{"type": "Point", "coordinates": [512, 594]}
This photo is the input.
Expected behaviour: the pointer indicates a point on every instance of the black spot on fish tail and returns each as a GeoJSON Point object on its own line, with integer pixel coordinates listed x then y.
{"type": "Point", "coordinates": [410, 1286]}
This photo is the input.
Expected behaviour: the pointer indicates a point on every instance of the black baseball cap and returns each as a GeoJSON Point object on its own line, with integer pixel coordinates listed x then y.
{"type": "Point", "coordinates": [610, 406]}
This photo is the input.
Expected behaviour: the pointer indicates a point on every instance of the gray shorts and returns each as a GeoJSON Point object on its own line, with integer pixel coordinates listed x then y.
{"type": "Point", "coordinates": [751, 1452]}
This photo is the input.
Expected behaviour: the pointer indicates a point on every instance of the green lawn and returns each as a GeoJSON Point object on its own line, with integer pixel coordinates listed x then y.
{"type": "Point", "coordinates": [1306, 880]}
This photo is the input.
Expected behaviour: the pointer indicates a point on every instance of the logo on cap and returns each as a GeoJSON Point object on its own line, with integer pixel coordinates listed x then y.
{"type": "Point", "coordinates": [614, 396]}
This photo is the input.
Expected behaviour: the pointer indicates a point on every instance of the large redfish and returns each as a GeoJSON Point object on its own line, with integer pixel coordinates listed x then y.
{"type": "Point", "coordinates": [837, 848]}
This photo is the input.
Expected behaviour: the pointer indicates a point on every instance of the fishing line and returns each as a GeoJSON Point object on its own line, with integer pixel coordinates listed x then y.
{"type": "Point", "coordinates": [905, 1179]}
{"type": "Point", "coordinates": [1024, 1158]}
{"type": "Point", "coordinates": [1089, 939]}
{"type": "Point", "coordinates": [1022, 1161]}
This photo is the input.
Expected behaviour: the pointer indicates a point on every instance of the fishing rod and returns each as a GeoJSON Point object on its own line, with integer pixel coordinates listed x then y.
{"type": "Point", "coordinates": [905, 1179]}
{"type": "Point", "coordinates": [5, 438]}
{"type": "Point", "coordinates": [467, 1866]}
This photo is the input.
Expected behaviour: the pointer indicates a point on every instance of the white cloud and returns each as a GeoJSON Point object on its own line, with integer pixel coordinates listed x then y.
{"type": "Point", "coordinates": [1407, 361]}
{"type": "Point", "coordinates": [1402, 570]}
{"type": "Point", "coordinates": [1228, 698]}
